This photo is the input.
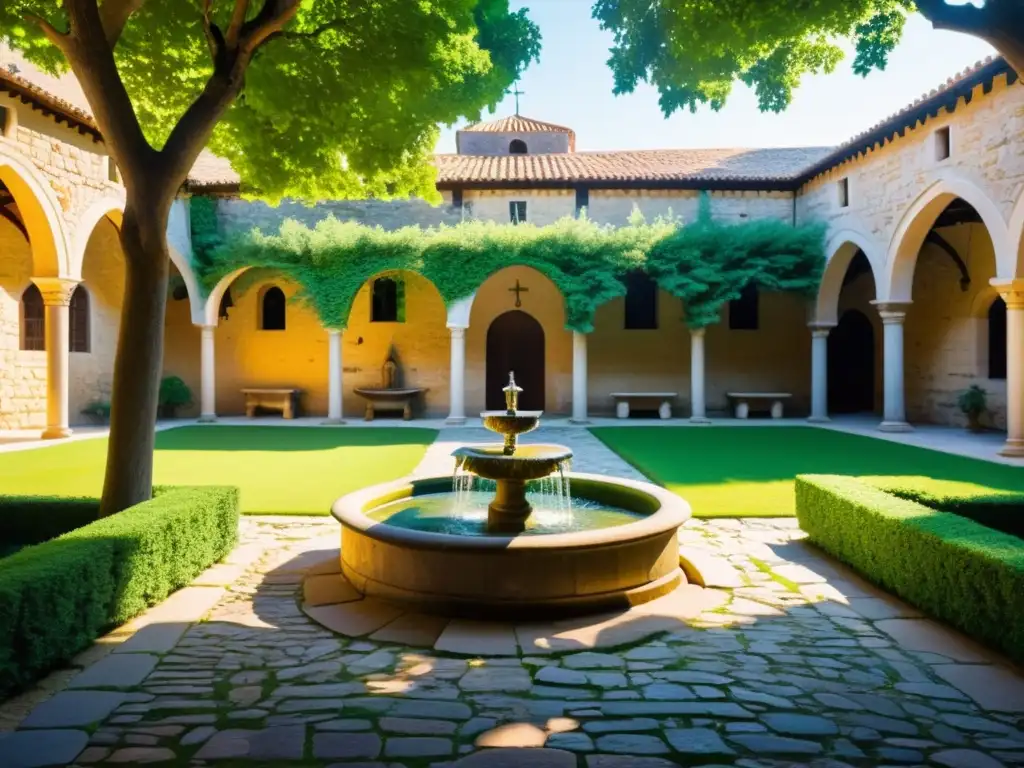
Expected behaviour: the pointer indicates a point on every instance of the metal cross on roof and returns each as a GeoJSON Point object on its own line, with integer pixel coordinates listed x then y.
{"type": "Point", "coordinates": [517, 93]}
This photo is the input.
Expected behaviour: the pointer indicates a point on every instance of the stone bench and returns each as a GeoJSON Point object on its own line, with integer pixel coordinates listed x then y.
{"type": "Point", "coordinates": [284, 400]}
{"type": "Point", "coordinates": [625, 400]}
{"type": "Point", "coordinates": [742, 401]}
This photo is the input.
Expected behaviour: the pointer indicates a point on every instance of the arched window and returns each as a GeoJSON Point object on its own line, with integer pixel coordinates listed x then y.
{"type": "Point", "coordinates": [272, 309]}
{"type": "Point", "coordinates": [997, 340]}
{"type": "Point", "coordinates": [517, 147]}
{"type": "Point", "coordinates": [743, 312]}
{"type": "Point", "coordinates": [388, 301]}
{"type": "Point", "coordinates": [79, 320]}
{"type": "Point", "coordinates": [641, 302]}
{"type": "Point", "coordinates": [33, 320]}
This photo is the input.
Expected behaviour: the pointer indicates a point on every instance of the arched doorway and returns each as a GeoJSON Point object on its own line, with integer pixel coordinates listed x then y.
{"type": "Point", "coordinates": [515, 342]}
{"type": "Point", "coordinates": [851, 364]}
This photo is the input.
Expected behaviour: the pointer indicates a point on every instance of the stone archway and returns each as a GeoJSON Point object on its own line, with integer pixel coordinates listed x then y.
{"type": "Point", "coordinates": [515, 342]}
{"type": "Point", "coordinates": [851, 364]}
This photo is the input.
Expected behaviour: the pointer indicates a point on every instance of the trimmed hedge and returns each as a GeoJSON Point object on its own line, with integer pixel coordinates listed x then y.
{"type": "Point", "coordinates": [1002, 510]}
{"type": "Point", "coordinates": [948, 566]}
{"type": "Point", "coordinates": [59, 596]}
{"type": "Point", "coordinates": [35, 519]}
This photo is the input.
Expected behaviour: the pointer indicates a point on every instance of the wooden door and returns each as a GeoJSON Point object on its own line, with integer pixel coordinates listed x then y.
{"type": "Point", "coordinates": [515, 342]}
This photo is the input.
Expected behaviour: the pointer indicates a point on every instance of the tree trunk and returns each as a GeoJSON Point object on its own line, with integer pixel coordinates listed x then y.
{"type": "Point", "coordinates": [140, 350]}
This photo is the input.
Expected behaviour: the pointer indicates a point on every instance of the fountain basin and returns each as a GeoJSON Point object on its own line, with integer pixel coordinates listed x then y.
{"type": "Point", "coordinates": [529, 462]}
{"type": "Point", "coordinates": [501, 576]}
{"type": "Point", "coordinates": [505, 423]}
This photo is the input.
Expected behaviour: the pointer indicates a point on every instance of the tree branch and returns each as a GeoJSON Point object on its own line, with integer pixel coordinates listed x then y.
{"type": "Point", "coordinates": [271, 19]}
{"type": "Point", "coordinates": [54, 35]}
{"type": "Point", "coordinates": [114, 15]}
{"type": "Point", "coordinates": [335, 24]}
{"type": "Point", "coordinates": [237, 21]}
{"type": "Point", "coordinates": [956, 18]}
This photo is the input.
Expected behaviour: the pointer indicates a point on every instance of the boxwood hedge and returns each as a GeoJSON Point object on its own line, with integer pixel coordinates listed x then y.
{"type": "Point", "coordinates": [28, 520]}
{"type": "Point", "coordinates": [58, 596]}
{"type": "Point", "coordinates": [945, 564]}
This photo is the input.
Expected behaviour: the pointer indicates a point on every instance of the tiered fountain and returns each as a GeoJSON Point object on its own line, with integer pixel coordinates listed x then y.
{"type": "Point", "coordinates": [523, 547]}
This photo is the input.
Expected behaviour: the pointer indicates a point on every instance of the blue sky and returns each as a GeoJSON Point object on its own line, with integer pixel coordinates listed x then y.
{"type": "Point", "coordinates": [572, 86]}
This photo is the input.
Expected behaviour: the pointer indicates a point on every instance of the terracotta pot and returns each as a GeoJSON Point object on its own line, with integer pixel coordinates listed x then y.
{"type": "Point", "coordinates": [974, 423]}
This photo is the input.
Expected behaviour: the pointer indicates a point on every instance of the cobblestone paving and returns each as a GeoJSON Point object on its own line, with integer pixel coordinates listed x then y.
{"type": "Point", "coordinates": [804, 665]}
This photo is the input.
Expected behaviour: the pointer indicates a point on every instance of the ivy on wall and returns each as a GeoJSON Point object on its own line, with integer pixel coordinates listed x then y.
{"type": "Point", "coordinates": [706, 263]}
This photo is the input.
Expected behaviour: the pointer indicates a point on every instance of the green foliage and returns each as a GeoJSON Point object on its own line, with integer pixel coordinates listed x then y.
{"type": "Point", "coordinates": [693, 51]}
{"type": "Point", "coordinates": [57, 597]}
{"type": "Point", "coordinates": [588, 262]}
{"type": "Point", "coordinates": [972, 401]}
{"type": "Point", "coordinates": [174, 393]}
{"type": "Point", "coordinates": [946, 565]}
{"type": "Point", "coordinates": [28, 520]}
{"type": "Point", "coordinates": [99, 410]}
{"type": "Point", "coordinates": [367, 82]}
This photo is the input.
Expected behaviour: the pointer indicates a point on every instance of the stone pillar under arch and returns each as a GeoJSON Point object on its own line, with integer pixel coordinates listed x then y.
{"type": "Point", "coordinates": [457, 377]}
{"type": "Point", "coordinates": [1012, 292]}
{"type": "Point", "coordinates": [56, 293]}
{"type": "Point", "coordinates": [698, 408]}
{"type": "Point", "coordinates": [208, 375]}
{"type": "Point", "coordinates": [893, 314]}
{"type": "Point", "coordinates": [579, 378]}
{"type": "Point", "coordinates": [335, 368]}
{"type": "Point", "coordinates": [819, 372]}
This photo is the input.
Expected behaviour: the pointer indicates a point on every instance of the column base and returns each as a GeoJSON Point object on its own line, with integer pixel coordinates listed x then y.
{"type": "Point", "coordinates": [455, 421]}
{"type": "Point", "coordinates": [332, 422]}
{"type": "Point", "coordinates": [818, 419]}
{"type": "Point", "coordinates": [55, 433]}
{"type": "Point", "coordinates": [1014, 447]}
{"type": "Point", "coordinates": [703, 420]}
{"type": "Point", "coordinates": [574, 420]}
{"type": "Point", "coordinates": [207, 418]}
{"type": "Point", "coordinates": [895, 426]}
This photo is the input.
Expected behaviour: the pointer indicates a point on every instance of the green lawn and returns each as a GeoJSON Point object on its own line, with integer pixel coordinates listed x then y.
{"type": "Point", "coordinates": [748, 472]}
{"type": "Point", "coordinates": [280, 470]}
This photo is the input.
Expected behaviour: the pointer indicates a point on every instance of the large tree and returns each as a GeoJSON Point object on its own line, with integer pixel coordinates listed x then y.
{"type": "Point", "coordinates": [309, 98]}
{"type": "Point", "coordinates": [694, 50]}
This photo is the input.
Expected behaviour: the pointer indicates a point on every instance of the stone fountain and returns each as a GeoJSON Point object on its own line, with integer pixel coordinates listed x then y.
{"type": "Point", "coordinates": [505, 538]}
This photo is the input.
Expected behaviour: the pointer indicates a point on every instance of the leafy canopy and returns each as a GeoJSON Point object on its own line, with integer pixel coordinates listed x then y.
{"type": "Point", "coordinates": [344, 102]}
{"type": "Point", "coordinates": [694, 50]}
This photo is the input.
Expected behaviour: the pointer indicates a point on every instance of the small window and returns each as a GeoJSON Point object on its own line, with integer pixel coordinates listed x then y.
{"type": "Point", "coordinates": [582, 199]}
{"type": "Point", "coordinates": [517, 211]}
{"type": "Point", "coordinates": [997, 340]}
{"type": "Point", "coordinates": [844, 193]}
{"type": "Point", "coordinates": [5, 119]}
{"type": "Point", "coordinates": [943, 145]}
{"type": "Point", "coordinates": [272, 310]}
{"type": "Point", "coordinates": [457, 199]}
{"type": "Point", "coordinates": [641, 303]}
{"type": "Point", "coordinates": [517, 147]}
{"type": "Point", "coordinates": [33, 320]}
{"type": "Point", "coordinates": [112, 173]}
{"type": "Point", "coordinates": [79, 320]}
{"type": "Point", "coordinates": [743, 312]}
{"type": "Point", "coordinates": [388, 301]}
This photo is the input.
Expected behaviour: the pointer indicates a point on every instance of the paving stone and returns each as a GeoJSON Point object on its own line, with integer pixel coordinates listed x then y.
{"type": "Point", "coordinates": [513, 735]}
{"type": "Point", "coordinates": [417, 629]}
{"type": "Point", "coordinates": [328, 589]}
{"type": "Point", "coordinates": [627, 761]}
{"type": "Point", "coordinates": [574, 741]}
{"type": "Point", "coordinates": [418, 746]}
{"type": "Point", "coordinates": [697, 741]}
{"type": "Point", "coordinates": [277, 743]}
{"type": "Point", "coordinates": [344, 724]}
{"type": "Point", "coordinates": [197, 735]}
{"type": "Point", "coordinates": [900, 755]}
{"type": "Point", "coordinates": [964, 758]}
{"type": "Point", "coordinates": [121, 671]}
{"type": "Point", "coordinates": [650, 653]}
{"type": "Point", "coordinates": [517, 758]}
{"type": "Point", "coordinates": [883, 724]}
{"type": "Point", "coordinates": [71, 708]}
{"type": "Point", "coordinates": [747, 695]}
{"type": "Point", "coordinates": [590, 660]}
{"type": "Point", "coordinates": [975, 724]}
{"type": "Point", "coordinates": [417, 726]}
{"type": "Point", "coordinates": [608, 679]}
{"type": "Point", "coordinates": [478, 638]}
{"type": "Point", "coordinates": [694, 676]}
{"type": "Point", "coordinates": [992, 687]}
{"type": "Point", "coordinates": [613, 726]}
{"type": "Point", "coordinates": [432, 709]}
{"type": "Point", "coordinates": [631, 743]}
{"type": "Point", "coordinates": [345, 745]}
{"type": "Point", "coordinates": [926, 635]}
{"type": "Point", "coordinates": [141, 755]}
{"type": "Point", "coordinates": [800, 725]}
{"type": "Point", "coordinates": [930, 690]}
{"type": "Point", "coordinates": [357, 618]}
{"type": "Point", "coordinates": [697, 708]}
{"type": "Point", "coordinates": [560, 676]}
{"type": "Point", "coordinates": [29, 749]}
{"type": "Point", "coordinates": [765, 743]}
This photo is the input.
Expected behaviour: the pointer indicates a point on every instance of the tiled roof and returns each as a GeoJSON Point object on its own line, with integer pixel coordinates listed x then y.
{"type": "Point", "coordinates": [46, 102]}
{"type": "Point", "coordinates": [675, 167]}
{"type": "Point", "coordinates": [519, 124]}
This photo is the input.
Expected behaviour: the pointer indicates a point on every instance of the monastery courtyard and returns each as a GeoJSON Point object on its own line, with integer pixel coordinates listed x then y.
{"type": "Point", "coordinates": [787, 658]}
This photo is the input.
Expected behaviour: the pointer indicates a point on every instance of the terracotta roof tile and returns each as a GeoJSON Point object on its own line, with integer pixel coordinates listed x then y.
{"type": "Point", "coordinates": [44, 100]}
{"type": "Point", "coordinates": [517, 124]}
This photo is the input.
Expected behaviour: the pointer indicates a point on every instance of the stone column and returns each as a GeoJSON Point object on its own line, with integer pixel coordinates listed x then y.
{"type": "Point", "coordinates": [894, 418]}
{"type": "Point", "coordinates": [698, 414]}
{"type": "Point", "coordinates": [579, 378]}
{"type": "Point", "coordinates": [819, 373]}
{"type": "Point", "coordinates": [208, 373]}
{"type": "Point", "coordinates": [1012, 292]}
{"type": "Point", "coordinates": [335, 369]}
{"type": "Point", "coordinates": [457, 377]}
{"type": "Point", "coordinates": [56, 292]}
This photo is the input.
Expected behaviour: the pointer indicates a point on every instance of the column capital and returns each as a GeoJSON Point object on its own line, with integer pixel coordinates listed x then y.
{"type": "Point", "coordinates": [697, 331]}
{"type": "Point", "coordinates": [820, 330]}
{"type": "Point", "coordinates": [458, 331]}
{"type": "Point", "coordinates": [892, 312]}
{"type": "Point", "coordinates": [1012, 291]}
{"type": "Point", "coordinates": [56, 291]}
{"type": "Point", "coordinates": [334, 331]}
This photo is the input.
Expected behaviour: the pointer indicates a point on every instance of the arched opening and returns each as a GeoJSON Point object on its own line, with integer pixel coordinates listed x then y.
{"type": "Point", "coordinates": [515, 342]}
{"type": "Point", "coordinates": [78, 319]}
{"type": "Point", "coordinates": [997, 339]}
{"type": "Point", "coordinates": [851, 364]}
{"type": "Point", "coordinates": [641, 304]}
{"type": "Point", "coordinates": [33, 320]}
{"type": "Point", "coordinates": [27, 202]}
{"type": "Point", "coordinates": [387, 300]}
{"type": "Point", "coordinates": [517, 147]}
{"type": "Point", "coordinates": [272, 309]}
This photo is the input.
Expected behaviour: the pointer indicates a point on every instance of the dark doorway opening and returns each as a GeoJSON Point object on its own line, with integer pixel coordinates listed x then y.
{"type": "Point", "coordinates": [515, 342]}
{"type": "Point", "coordinates": [851, 364]}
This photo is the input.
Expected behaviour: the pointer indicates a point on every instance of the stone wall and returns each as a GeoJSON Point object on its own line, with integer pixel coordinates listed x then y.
{"type": "Point", "coordinates": [493, 143]}
{"type": "Point", "coordinates": [22, 374]}
{"type": "Point", "coordinates": [611, 206]}
{"type": "Point", "coordinates": [543, 206]}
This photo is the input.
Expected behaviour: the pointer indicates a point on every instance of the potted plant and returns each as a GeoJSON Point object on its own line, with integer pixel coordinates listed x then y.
{"type": "Point", "coordinates": [174, 394]}
{"type": "Point", "coordinates": [972, 403]}
{"type": "Point", "coordinates": [98, 410]}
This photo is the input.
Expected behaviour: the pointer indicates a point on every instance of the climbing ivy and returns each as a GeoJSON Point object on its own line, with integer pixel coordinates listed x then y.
{"type": "Point", "coordinates": [706, 263]}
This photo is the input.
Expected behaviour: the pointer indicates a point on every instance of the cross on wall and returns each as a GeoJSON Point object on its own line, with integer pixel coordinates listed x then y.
{"type": "Point", "coordinates": [518, 290]}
